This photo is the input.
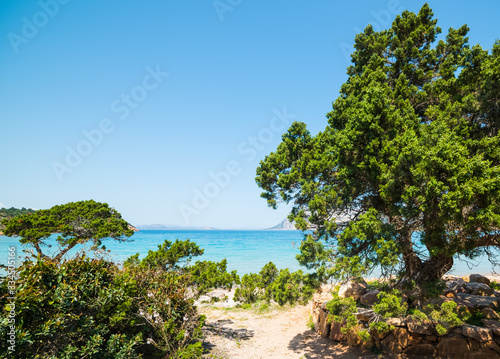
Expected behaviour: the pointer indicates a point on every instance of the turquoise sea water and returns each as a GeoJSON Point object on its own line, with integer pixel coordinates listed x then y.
{"type": "Point", "coordinates": [245, 251]}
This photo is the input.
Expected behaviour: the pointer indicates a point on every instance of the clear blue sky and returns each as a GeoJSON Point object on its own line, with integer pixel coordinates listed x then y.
{"type": "Point", "coordinates": [101, 66]}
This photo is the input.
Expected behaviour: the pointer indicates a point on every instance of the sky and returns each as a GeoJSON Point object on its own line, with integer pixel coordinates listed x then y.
{"type": "Point", "coordinates": [164, 109]}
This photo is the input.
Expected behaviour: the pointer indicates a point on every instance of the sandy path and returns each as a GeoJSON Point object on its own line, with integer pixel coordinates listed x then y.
{"type": "Point", "coordinates": [278, 333]}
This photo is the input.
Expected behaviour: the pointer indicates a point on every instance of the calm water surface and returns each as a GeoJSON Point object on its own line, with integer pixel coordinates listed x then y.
{"type": "Point", "coordinates": [245, 251]}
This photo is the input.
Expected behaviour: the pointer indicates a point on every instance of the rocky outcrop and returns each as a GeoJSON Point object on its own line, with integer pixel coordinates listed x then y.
{"type": "Point", "coordinates": [479, 279]}
{"type": "Point", "coordinates": [353, 288]}
{"type": "Point", "coordinates": [409, 338]}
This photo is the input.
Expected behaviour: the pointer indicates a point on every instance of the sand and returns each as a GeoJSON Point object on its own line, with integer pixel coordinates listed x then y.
{"type": "Point", "coordinates": [273, 333]}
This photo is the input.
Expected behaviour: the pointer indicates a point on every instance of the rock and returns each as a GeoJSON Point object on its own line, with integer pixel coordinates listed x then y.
{"type": "Point", "coordinates": [421, 351]}
{"type": "Point", "coordinates": [352, 338]}
{"type": "Point", "coordinates": [455, 284]}
{"type": "Point", "coordinates": [477, 333]}
{"type": "Point", "coordinates": [493, 325]}
{"type": "Point", "coordinates": [419, 328]}
{"type": "Point", "coordinates": [472, 301]}
{"type": "Point", "coordinates": [490, 313]}
{"type": "Point", "coordinates": [431, 338]}
{"type": "Point", "coordinates": [478, 278]}
{"type": "Point", "coordinates": [403, 336]}
{"type": "Point", "coordinates": [352, 288]}
{"type": "Point", "coordinates": [396, 322]}
{"type": "Point", "coordinates": [448, 293]}
{"type": "Point", "coordinates": [390, 343]}
{"type": "Point", "coordinates": [481, 289]}
{"type": "Point", "coordinates": [315, 318]}
{"type": "Point", "coordinates": [335, 333]}
{"type": "Point", "coordinates": [364, 315]}
{"type": "Point", "coordinates": [369, 298]}
{"type": "Point", "coordinates": [473, 344]}
{"type": "Point", "coordinates": [492, 345]}
{"type": "Point", "coordinates": [452, 346]}
{"type": "Point", "coordinates": [324, 326]}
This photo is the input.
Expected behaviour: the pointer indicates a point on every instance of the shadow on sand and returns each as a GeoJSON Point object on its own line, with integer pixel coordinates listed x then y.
{"type": "Point", "coordinates": [222, 328]}
{"type": "Point", "coordinates": [314, 346]}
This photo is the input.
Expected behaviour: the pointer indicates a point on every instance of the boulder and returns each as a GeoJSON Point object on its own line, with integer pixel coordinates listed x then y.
{"type": "Point", "coordinates": [369, 298]}
{"type": "Point", "coordinates": [421, 351]}
{"type": "Point", "coordinates": [490, 313]}
{"type": "Point", "coordinates": [352, 338]}
{"type": "Point", "coordinates": [364, 315]}
{"type": "Point", "coordinates": [396, 322]}
{"type": "Point", "coordinates": [478, 278]}
{"type": "Point", "coordinates": [481, 289]}
{"type": "Point", "coordinates": [479, 334]}
{"type": "Point", "coordinates": [335, 333]}
{"type": "Point", "coordinates": [472, 301]}
{"type": "Point", "coordinates": [493, 325]}
{"type": "Point", "coordinates": [352, 288]}
{"type": "Point", "coordinates": [324, 326]}
{"type": "Point", "coordinates": [452, 347]}
{"type": "Point", "coordinates": [316, 319]}
{"type": "Point", "coordinates": [419, 328]}
{"type": "Point", "coordinates": [403, 336]}
{"type": "Point", "coordinates": [390, 343]}
{"type": "Point", "coordinates": [455, 284]}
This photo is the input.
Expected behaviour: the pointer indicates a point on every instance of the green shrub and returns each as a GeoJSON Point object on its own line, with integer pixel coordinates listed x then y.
{"type": "Point", "coordinates": [206, 275]}
{"type": "Point", "coordinates": [94, 309]}
{"type": "Point", "coordinates": [249, 290]}
{"type": "Point", "coordinates": [283, 287]}
{"type": "Point", "coordinates": [341, 310]}
{"type": "Point", "coordinates": [390, 305]}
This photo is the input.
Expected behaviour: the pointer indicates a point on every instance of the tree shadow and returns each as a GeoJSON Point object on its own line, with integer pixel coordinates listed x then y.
{"type": "Point", "coordinates": [223, 328]}
{"type": "Point", "coordinates": [313, 346]}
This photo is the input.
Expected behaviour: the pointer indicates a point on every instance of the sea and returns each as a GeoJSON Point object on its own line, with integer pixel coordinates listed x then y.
{"type": "Point", "coordinates": [245, 250]}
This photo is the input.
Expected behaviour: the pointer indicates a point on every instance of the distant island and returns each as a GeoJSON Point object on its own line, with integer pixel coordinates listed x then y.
{"type": "Point", "coordinates": [284, 225]}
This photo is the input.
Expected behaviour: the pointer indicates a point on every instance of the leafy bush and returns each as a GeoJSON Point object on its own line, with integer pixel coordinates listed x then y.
{"type": "Point", "coordinates": [390, 305]}
{"type": "Point", "coordinates": [206, 275]}
{"type": "Point", "coordinates": [282, 287]}
{"type": "Point", "coordinates": [176, 256]}
{"type": "Point", "coordinates": [249, 290]}
{"type": "Point", "coordinates": [342, 310]}
{"type": "Point", "coordinates": [91, 308]}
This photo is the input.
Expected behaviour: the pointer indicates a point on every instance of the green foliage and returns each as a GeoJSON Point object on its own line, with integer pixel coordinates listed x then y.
{"type": "Point", "coordinates": [76, 222]}
{"type": "Point", "coordinates": [341, 310]}
{"type": "Point", "coordinates": [249, 290]}
{"type": "Point", "coordinates": [203, 275]}
{"type": "Point", "coordinates": [91, 308]}
{"type": "Point", "coordinates": [381, 327]}
{"type": "Point", "coordinates": [494, 285]}
{"type": "Point", "coordinates": [474, 317]}
{"type": "Point", "coordinates": [310, 323]}
{"type": "Point", "coordinates": [409, 154]}
{"type": "Point", "coordinates": [268, 274]}
{"type": "Point", "coordinates": [364, 335]}
{"type": "Point", "coordinates": [168, 256]}
{"type": "Point", "coordinates": [7, 213]}
{"type": "Point", "coordinates": [207, 275]}
{"type": "Point", "coordinates": [389, 305]}
{"type": "Point", "coordinates": [282, 287]}
{"type": "Point", "coordinates": [444, 317]}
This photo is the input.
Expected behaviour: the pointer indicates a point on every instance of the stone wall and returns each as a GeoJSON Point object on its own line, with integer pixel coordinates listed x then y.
{"type": "Point", "coordinates": [410, 339]}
